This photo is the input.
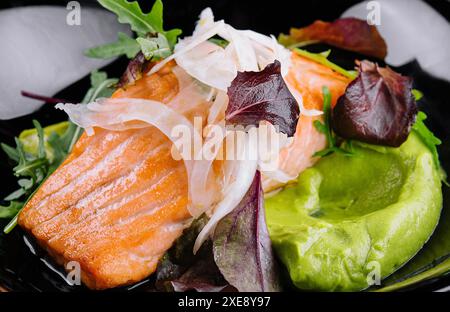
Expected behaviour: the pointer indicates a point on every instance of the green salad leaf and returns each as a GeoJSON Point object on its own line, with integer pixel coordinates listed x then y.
{"type": "Point", "coordinates": [36, 161]}
{"type": "Point", "coordinates": [219, 41]}
{"type": "Point", "coordinates": [418, 95]}
{"type": "Point", "coordinates": [101, 86]}
{"type": "Point", "coordinates": [428, 138]}
{"type": "Point", "coordinates": [131, 13]}
{"type": "Point", "coordinates": [124, 45]}
{"type": "Point", "coordinates": [172, 36]}
{"type": "Point", "coordinates": [325, 128]}
{"type": "Point", "coordinates": [156, 47]}
{"type": "Point", "coordinates": [61, 145]}
{"type": "Point", "coordinates": [11, 210]}
{"type": "Point", "coordinates": [152, 39]}
{"type": "Point", "coordinates": [31, 169]}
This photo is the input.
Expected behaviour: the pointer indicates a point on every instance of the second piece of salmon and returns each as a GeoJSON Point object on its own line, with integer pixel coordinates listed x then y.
{"type": "Point", "coordinates": [308, 78]}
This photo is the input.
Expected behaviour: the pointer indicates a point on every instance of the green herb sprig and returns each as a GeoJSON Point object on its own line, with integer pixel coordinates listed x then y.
{"type": "Point", "coordinates": [427, 137]}
{"type": "Point", "coordinates": [425, 134]}
{"type": "Point", "coordinates": [32, 169]}
{"type": "Point", "coordinates": [325, 128]}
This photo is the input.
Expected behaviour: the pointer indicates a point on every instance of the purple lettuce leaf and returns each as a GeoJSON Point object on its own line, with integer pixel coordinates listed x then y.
{"type": "Point", "coordinates": [263, 95]}
{"type": "Point", "coordinates": [377, 107]}
{"type": "Point", "coordinates": [181, 270]}
{"type": "Point", "coordinates": [202, 276]}
{"type": "Point", "coordinates": [242, 247]}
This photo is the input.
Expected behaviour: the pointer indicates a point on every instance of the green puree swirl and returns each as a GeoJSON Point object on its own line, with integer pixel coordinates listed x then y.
{"type": "Point", "coordinates": [350, 214]}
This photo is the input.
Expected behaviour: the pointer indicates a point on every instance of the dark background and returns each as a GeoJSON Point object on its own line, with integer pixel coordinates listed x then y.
{"type": "Point", "coordinates": [270, 17]}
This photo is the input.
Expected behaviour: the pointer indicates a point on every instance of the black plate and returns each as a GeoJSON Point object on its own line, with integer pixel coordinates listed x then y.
{"type": "Point", "coordinates": [21, 269]}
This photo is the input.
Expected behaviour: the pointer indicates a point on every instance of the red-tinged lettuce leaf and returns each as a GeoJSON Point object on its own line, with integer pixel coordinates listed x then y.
{"type": "Point", "coordinates": [133, 71]}
{"type": "Point", "coordinates": [242, 247]}
{"type": "Point", "coordinates": [377, 107]}
{"type": "Point", "coordinates": [263, 95]}
{"type": "Point", "coordinates": [181, 270]}
{"type": "Point", "coordinates": [346, 33]}
{"type": "Point", "coordinates": [202, 276]}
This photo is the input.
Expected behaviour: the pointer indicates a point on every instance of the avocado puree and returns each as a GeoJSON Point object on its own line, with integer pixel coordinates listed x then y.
{"type": "Point", "coordinates": [349, 216]}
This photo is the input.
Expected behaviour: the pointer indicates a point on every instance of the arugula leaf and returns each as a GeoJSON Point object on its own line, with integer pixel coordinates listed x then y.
{"type": "Point", "coordinates": [40, 133]}
{"type": "Point", "coordinates": [36, 165]}
{"type": "Point", "coordinates": [30, 139]}
{"type": "Point", "coordinates": [101, 86]}
{"type": "Point", "coordinates": [427, 137]}
{"type": "Point", "coordinates": [11, 210]}
{"type": "Point", "coordinates": [124, 45]}
{"type": "Point", "coordinates": [172, 36]}
{"type": "Point", "coordinates": [62, 144]}
{"type": "Point", "coordinates": [325, 128]}
{"type": "Point", "coordinates": [157, 47]}
{"type": "Point", "coordinates": [219, 41]}
{"type": "Point", "coordinates": [10, 151]}
{"type": "Point", "coordinates": [322, 58]}
{"type": "Point", "coordinates": [418, 95]}
{"type": "Point", "coordinates": [144, 24]}
{"type": "Point", "coordinates": [33, 167]}
{"type": "Point", "coordinates": [16, 194]}
{"type": "Point", "coordinates": [131, 13]}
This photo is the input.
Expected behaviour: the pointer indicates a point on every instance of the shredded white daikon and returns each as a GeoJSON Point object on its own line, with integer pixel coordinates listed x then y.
{"type": "Point", "coordinates": [114, 114]}
{"type": "Point", "coordinates": [242, 173]}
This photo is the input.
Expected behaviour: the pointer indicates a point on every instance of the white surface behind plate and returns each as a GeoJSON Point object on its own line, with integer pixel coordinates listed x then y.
{"type": "Point", "coordinates": [41, 53]}
{"type": "Point", "coordinates": [412, 30]}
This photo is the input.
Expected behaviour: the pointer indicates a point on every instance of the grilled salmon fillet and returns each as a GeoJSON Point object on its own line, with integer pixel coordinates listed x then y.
{"type": "Point", "coordinates": [118, 201]}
